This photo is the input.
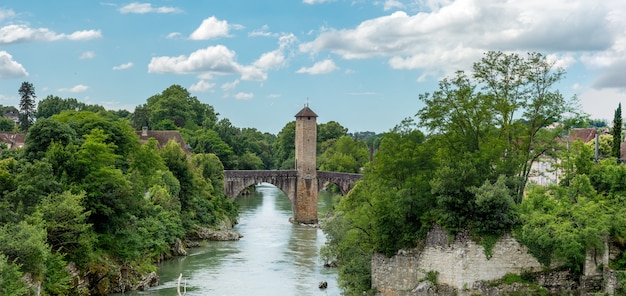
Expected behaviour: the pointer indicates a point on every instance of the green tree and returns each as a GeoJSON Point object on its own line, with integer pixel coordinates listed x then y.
{"type": "Point", "coordinates": [6, 124]}
{"type": "Point", "coordinates": [109, 194]}
{"type": "Point", "coordinates": [211, 169]}
{"type": "Point", "coordinates": [34, 181]}
{"type": "Point", "coordinates": [66, 226]}
{"type": "Point", "coordinates": [526, 87]}
{"type": "Point", "coordinates": [11, 278]}
{"type": "Point", "coordinates": [176, 104]}
{"type": "Point", "coordinates": [118, 131]}
{"type": "Point", "coordinates": [285, 147]}
{"type": "Point", "coordinates": [27, 105]}
{"type": "Point", "coordinates": [560, 224]}
{"type": "Point", "coordinates": [147, 165]}
{"type": "Point", "coordinates": [386, 209]}
{"type": "Point", "coordinates": [45, 132]}
{"type": "Point", "coordinates": [499, 130]}
{"type": "Point", "coordinates": [52, 105]}
{"type": "Point", "coordinates": [617, 133]}
{"type": "Point", "coordinates": [344, 155]}
{"type": "Point", "coordinates": [25, 244]}
{"type": "Point", "coordinates": [597, 123]}
{"type": "Point", "coordinates": [209, 141]}
{"type": "Point", "coordinates": [330, 130]}
{"type": "Point", "coordinates": [605, 146]}
{"type": "Point", "coordinates": [249, 161]}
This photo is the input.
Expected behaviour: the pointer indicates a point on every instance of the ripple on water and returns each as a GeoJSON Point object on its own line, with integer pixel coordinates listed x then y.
{"type": "Point", "coordinates": [274, 257]}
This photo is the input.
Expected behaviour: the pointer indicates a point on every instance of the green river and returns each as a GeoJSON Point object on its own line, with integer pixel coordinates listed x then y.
{"type": "Point", "coordinates": [274, 257]}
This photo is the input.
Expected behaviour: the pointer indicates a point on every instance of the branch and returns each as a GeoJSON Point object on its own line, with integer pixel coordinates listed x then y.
{"type": "Point", "coordinates": [180, 277]}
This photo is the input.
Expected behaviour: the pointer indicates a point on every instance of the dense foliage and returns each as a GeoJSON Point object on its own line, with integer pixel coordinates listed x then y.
{"type": "Point", "coordinates": [85, 190]}
{"type": "Point", "coordinates": [470, 172]}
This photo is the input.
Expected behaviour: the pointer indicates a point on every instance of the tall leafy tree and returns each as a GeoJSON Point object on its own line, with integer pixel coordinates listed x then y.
{"type": "Point", "coordinates": [27, 105]}
{"type": "Point", "coordinates": [330, 130]}
{"type": "Point", "coordinates": [617, 132]}
{"type": "Point", "coordinates": [495, 118]}
{"type": "Point", "coordinates": [52, 105]}
{"type": "Point", "coordinates": [344, 155]}
{"type": "Point", "coordinates": [285, 147]}
{"type": "Point", "coordinates": [6, 124]}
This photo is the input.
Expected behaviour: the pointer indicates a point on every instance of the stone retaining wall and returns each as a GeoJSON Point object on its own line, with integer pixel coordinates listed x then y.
{"type": "Point", "coordinates": [459, 264]}
{"type": "Point", "coordinates": [463, 266]}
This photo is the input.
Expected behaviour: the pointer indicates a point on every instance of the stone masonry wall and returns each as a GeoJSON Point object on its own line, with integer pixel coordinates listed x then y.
{"type": "Point", "coordinates": [459, 264]}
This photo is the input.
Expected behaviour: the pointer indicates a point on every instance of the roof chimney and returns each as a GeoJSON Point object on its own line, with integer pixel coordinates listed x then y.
{"type": "Point", "coordinates": [144, 131]}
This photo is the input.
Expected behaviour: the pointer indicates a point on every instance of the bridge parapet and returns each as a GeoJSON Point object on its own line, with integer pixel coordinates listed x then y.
{"type": "Point", "coordinates": [345, 181]}
{"type": "Point", "coordinates": [236, 181]}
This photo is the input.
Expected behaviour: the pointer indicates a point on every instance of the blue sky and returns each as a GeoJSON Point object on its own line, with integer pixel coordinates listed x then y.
{"type": "Point", "coordinates": [361, 63]}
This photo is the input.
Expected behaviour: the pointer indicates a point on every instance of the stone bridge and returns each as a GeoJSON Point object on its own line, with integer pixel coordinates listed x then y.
{"type": "Point", "coordinates": [235, 181]}
{"type": "Point", "coordinates": [301, 185]}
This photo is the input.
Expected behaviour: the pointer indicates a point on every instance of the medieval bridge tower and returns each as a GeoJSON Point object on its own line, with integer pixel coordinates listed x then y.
{"type": "Point", "coordinates": [301, 185]}
{"type": "Point", "coordinates": [305, 203]}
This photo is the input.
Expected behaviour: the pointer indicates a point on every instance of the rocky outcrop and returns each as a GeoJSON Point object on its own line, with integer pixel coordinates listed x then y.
{"type": "Point", "coordinates": [202, 233]}
{"type": "Point", "coordinates": [223, 232]}
{"type": "Point", "coordinates": [80, 283]}
{"type": "Point", "coordinates": [147, 281]}
{"type": "Point", "coordinates": [178, 249]}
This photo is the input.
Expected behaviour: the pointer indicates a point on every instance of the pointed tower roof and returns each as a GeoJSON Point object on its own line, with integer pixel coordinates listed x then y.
{"type": "Point", "coordinates": [306, 112]}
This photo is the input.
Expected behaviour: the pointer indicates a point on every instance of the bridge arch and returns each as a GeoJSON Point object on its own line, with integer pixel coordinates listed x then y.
{"type": "Point", "coordinates": [235, 181]}
{"type": "Point", "coordinates": [345, 181]}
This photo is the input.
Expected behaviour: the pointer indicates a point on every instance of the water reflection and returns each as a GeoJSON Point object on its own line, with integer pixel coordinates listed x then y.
{"type": "Point", "coordinates": [274, 257]}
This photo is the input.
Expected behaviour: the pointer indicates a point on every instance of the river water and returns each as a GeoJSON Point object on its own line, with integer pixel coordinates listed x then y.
{"type": "Point", "coordinates": [274, 257]}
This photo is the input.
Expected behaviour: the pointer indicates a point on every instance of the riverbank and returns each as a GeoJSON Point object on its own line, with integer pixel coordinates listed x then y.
{"type": "Point", "coordinates": [274, 256]}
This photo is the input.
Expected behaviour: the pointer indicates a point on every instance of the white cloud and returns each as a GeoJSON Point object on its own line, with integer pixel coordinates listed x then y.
{"type": "Point", "coordinates": [21, 33]}
{"type": "Point", "coordinates": [278, 57]}
{"type": "Point", "coordinates": [202, 86]}
{"type": "Point", "coordinates": [142, 8]}
{"type": "Point", "coordinates": [87, 55]}
{"type": "Point", "coordinates": [173, 35]}
{"type": "Point", "coordinates": [83, 35]}
{"type": "Point", "coordinates": [612, 76]}
{"type": "Point", "coordinates": [10, 68]}
{"type": "Point", "coordinates": [269, 60]}
{"type": "Point", "coordinates": [392, 4]}
{"type": "Point", "coordinates": [561, 61]}
{"type": "Point", "coordinates": [230, 85]}
{"type": "Point", "coordinates": [601, 104]}
{"type": "Point", "coordinates": [323, 67]}
{"type": "Point", "coordinates": [448, 34]}
{"type": "Point", "coordinates": [6, 14]}
{"type": "Point", "coordinates": [211, 60]}
{"type": "Point", "coordinates": [263, 31]}
{"type": "Point", "coordinates": [215, 59]}
{"type": "Point", "coordinates": [123, 66]}
{"type": "Point", "coordinates": [75, 89]}
{"type": "Point", "coordinates": [244, 96]}
{"type": "Point", "coordinates": [212, 28]}
{"type": "Point", "coordinates": [253, 73]}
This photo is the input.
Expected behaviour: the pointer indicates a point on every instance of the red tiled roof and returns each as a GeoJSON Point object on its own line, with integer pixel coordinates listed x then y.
{"type": "Point", "coordinates": [306, 112]}
{"type": "Point", "coordinates": [13, 140]}
{"type": "Point", "coordinates": [582, 134]}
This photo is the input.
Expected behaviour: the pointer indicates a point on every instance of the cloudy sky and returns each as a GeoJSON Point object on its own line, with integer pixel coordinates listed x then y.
{"type": "Point", "coordinates": [361, 63]}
